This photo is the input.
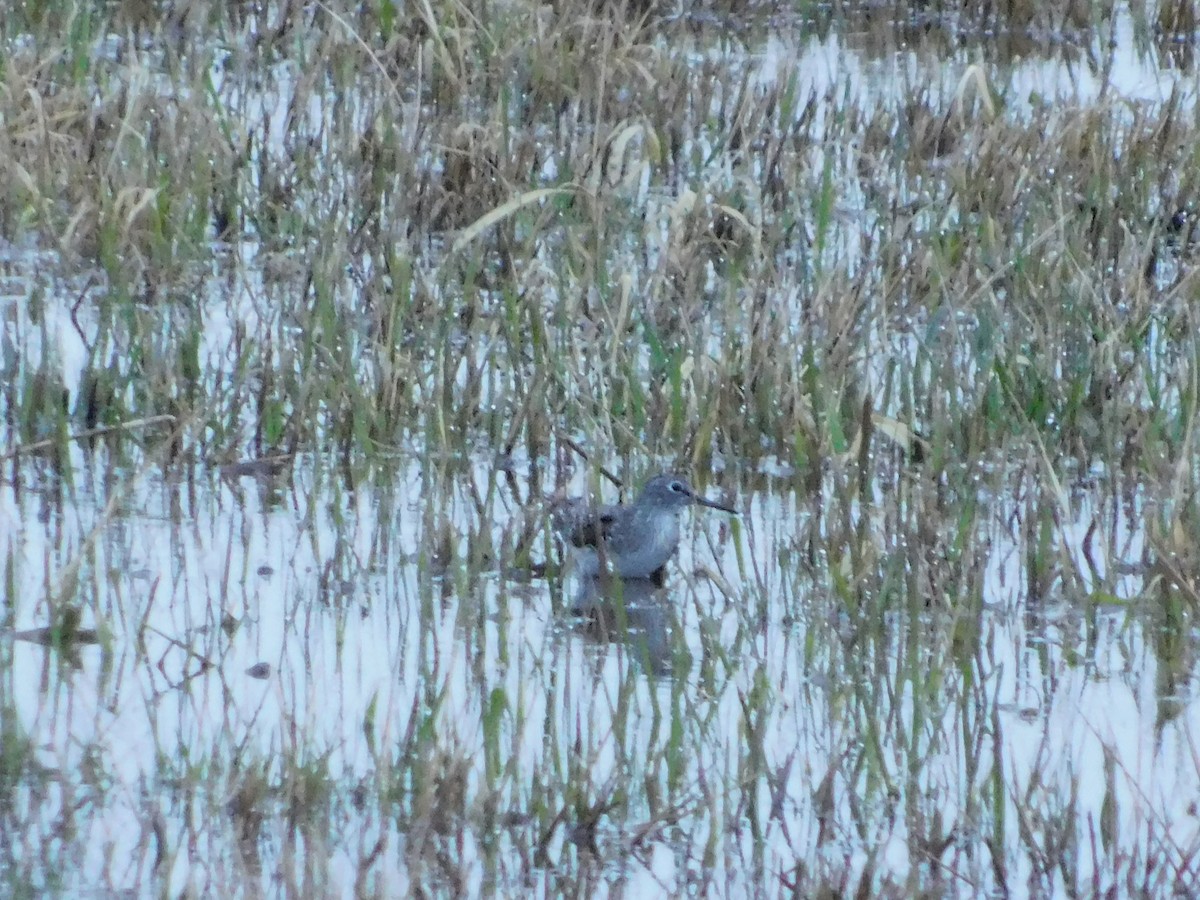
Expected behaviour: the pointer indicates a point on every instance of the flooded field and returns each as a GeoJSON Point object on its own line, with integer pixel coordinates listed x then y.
{"type": "Point", "coordinates": [310, 316]}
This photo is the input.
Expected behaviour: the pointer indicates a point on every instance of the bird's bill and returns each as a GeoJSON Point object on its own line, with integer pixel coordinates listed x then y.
{"type": "Point", "coordinates": [713, 504]}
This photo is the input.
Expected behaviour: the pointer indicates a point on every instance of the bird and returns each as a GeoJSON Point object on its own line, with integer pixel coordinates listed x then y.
{"type": "Point", "coordinates": [632, 540]}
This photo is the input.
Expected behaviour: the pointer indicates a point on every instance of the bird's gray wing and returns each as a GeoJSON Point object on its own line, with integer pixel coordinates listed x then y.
{"type": "Point", "coordinates": [593, 531]}
{"type": "Point", "coordinates": [581, 525]}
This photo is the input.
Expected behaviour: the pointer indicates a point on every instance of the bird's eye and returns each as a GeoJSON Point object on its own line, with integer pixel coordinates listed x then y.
{"type": "Point", "coordinates": [678, 488]}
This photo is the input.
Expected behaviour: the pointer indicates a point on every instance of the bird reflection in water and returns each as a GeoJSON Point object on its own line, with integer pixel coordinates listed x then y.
{"type": "Point", "coordinates": [631, 611]}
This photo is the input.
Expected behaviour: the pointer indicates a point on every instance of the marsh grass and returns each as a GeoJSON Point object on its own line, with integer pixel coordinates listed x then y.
{"type": "Point", "coordinates": [353, 250]}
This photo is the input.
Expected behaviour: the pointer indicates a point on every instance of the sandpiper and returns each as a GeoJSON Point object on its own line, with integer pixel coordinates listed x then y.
{"type": "Point", "coordinates": [633, 541]}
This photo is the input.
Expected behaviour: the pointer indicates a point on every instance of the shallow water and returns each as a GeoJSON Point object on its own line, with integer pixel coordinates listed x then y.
{"type": "Point", "coordinates": [334, 677]}
{"type": "Point", "coordinates": [742, 709]}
